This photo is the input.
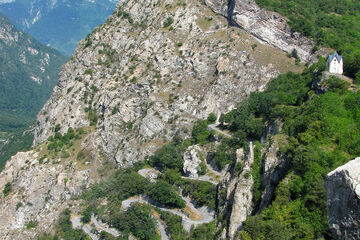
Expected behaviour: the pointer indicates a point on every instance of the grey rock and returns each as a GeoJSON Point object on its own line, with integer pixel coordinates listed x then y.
{"type": "Point", "coordinates": [236, 203]}
{"type": "Point", "coordinates": [266, 26]}
{"type": "Point", "coordinates": [242, 200]}
{"type": "Point", "coordinates": [192, 160]}
{"type": "Point", "coordinates": [275, 169]}
{"type": "Point", "coordinates": [343, 200]}
{"type": "Point", "coordinates": [43, 190]}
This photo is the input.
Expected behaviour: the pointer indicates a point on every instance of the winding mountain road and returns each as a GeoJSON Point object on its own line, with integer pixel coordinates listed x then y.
{"type": "Point", "coordinates": [206, 214]}
{"type": "Point", "coordinates": [104, 227]}
{"type": "Point", "coordinates": [161, 226]}
{"type": "Point", "coordinates": [77, 224]}
{"type": "Point", "coordinates": [213, 127]}
{"type": "Point", "coordinates": [203, 178]}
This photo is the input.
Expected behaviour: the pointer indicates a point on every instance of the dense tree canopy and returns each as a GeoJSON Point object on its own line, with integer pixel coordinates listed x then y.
{"type": "Point", "coordinates": [323, 133]}
{"type": "Point", "coordinates": [333, 23]}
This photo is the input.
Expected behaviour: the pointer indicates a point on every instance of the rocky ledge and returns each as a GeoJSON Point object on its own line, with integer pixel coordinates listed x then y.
{"type": "Point", "coordinates": [343, 204]}
{"type": "Point", "coordinates": [266, 26]}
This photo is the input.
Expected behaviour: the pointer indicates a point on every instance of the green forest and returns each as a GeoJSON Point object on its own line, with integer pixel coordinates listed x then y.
{"type": "Point", "coordinates": [331, 23]}
{"type": "Point", "coordinates": [323, 133]}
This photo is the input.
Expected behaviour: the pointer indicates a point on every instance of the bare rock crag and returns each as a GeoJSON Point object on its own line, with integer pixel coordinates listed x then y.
{"type": "Point", "coordinates": [343, 200]}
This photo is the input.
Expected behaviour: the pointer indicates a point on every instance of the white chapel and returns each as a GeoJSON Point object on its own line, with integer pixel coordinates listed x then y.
{"type": "Point", "coordinates": [335, 63]}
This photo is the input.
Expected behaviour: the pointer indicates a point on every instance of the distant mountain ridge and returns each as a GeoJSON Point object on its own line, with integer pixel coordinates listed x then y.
{"type": "Point", "coordinates": [28, 73]}
{"type": "Point", "coordinates": [57, 23]}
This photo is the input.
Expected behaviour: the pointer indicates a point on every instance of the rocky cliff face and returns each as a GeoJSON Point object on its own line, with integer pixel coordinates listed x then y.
{"type": "Point", "coordinates": [274, 167]}
{"type": "Point", "coordinates": [267, 27]}
{"type": "Point", "coordinates": [343, 204]}
{"type": "Point", "coordinates": [41, 188]}
{"type": "Point", "coordinates": [39, 193]}
{"type": "Point", "coordinates": [235, 193]}
{"type": "Point", "coordinates": [145, 80]}
{"type": "Point", "coordinates": [192, 160]}
{"type": "Point", "coordinates": [241, 206]}
{"type": "Point", "coordinates": [145, 75]}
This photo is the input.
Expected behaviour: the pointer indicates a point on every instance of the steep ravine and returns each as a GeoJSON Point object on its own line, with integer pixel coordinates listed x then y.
{"type": "Point", "coordinates": [230, 12]}
{"type": "Point", "coordinates": [140, 78]}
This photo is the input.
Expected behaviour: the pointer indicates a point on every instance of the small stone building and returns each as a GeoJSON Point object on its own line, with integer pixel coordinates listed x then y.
{"type": "Point", "coordinates": [335, 63]}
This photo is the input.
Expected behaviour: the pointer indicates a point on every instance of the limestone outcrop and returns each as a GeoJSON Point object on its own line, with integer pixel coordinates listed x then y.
{"type": "Point", "coordinates": [266, 26]}
{"type": "Point", "coordinates": [39, 192]}
{"type": "Point", "coordinates": [235, 193]}
{"type": "Point", "coordinates": [274, 167]}
{"type": "Point", "coordinates": [343, 200]}
{"type": "Point", "coordinates": [242, 201]}
{"type": "Point", "coordinates": [192, 159]}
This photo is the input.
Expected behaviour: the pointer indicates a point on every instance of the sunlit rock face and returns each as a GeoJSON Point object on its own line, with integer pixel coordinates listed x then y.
{"type": "Point", "coordinates": [343, 200]}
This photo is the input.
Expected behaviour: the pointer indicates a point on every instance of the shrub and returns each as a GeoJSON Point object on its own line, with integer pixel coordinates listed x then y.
{"type": "Point", "coordinates": [337, 83]}
{"type": "Point", "coordinates": [138, 220]}
{"type": "Point", "coordinates": [212, 118]}
{"type": "Point", "coordinates": [88, 72]}
{"type": "Point", "coordinates": [86, 214]}
{"type": "Point", "coordinates": [163, 193]}
{"type": "Point", "coordinates": [200, 133]}
{"type": "Point", "coordinates": [172, 176]}
{"type": "Point", "coordinates": [203, 168]}
{"type": "Point", "coordinates": [93, 117]}
{"type": "Point", "coordinates": [169, 156]}
{"type": "Point", "coordinates": [357, 78]}
{"type": "Point", "coordinates": [238, 169]}
{"type": "Point", "coordinates": [7, 189]}
{"type": "Point", "coordinates": [64, 154]}
{"type": "Point", "coordinates": [129, 125]}
{"type": "Point", "coordinates": [120, 185]}
{"type": "Point", "coordinates": [204, 193]}
{"type": "Point", "coordinates": [57, 128]}
{"type": "Point", "coordinates": [168, 22]}
{"type": "Point", "coordinates": [224, 155]}
{"type": "Point", "coordinates": [18, 205]}
{"type": "Point", "coordinates": [31, 224]}
{"type": "Point", "coordinates": [204, 231]}
{"type": "Point", "coordinates": [174, 226]}
{"type": "Point", "coordinates": [87, 43]}
{"type": "Point", "coordinates": [80, 155]}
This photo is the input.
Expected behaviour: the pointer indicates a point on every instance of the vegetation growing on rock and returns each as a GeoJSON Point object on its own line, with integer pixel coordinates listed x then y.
{"type": "Point", "coordinates": [318, 127]}
{"type": "Point", "coordinates": [331, 23]}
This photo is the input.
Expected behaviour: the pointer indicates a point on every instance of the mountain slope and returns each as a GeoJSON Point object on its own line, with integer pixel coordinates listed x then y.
{"type": "Point", "coordinates": [29, 71]}
{"type": "Point", "coordinates": [61, 24]}
{"type": "Point", "coordinates": [138, 81]}
{"type": "Point", "coordinates": [142, 73]}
